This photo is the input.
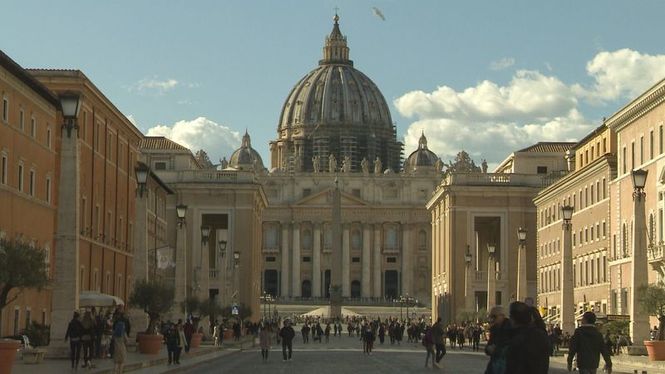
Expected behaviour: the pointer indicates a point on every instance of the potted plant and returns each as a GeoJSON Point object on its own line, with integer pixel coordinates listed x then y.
{"type": "Point", "coordinates": [210, 309]}
{"type": "Point", "coordinates": [155, 298]}
{"type": "Point", "coordinates": [22, 266]}
{"type": "Point", "coordinates": [652, 300]}
{"type": "Point", "coordinates": [192, 306]}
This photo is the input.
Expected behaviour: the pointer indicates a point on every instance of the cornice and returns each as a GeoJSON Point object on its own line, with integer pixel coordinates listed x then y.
{"type": "Point", "coordinates": [638, 107]}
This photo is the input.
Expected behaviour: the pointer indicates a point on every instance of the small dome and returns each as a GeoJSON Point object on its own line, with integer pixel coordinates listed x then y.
{"type": "Point", "coordinates": [421, 158]}
{"type": "Point", "coordinates": [246, 157]}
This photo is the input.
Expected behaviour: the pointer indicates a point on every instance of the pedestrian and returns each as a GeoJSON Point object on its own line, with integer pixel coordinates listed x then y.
{"type": "Point", "coordinates": [588, 344]}
{"type": "Point", "coordinates": [428, 343]}
{"type": "Point", "coordinates": [215, 334]}
{"type": "Point", "coordinates": [438, 341]}
{"type": "Point", "coordinates": [475, 336]}
{"type": "Point", "coordinates": [287, 334]}
{"type": "Point", "coordinates": [265, 340]}
{"type": "Point", "coordinates": [305, 333]}
{"type": "Point", "coordinates": [74, 332]}
{"type": "Point", "coordinates": [87, 338]}
{"type": "Point", "coordinates": [172, 338]}
{"type": "Point", "coordinates": [528, 350]}
{"type": "Point", "coordinates": [188, 329]}
{"type": "Point", "coordinates": [327, 332]}
{"type": "Point", "coordinates": [498, 341]}
{"type": "Point", "coordinates": [182, 341]}
{"type": "Point", "coordinates": [120, 344]}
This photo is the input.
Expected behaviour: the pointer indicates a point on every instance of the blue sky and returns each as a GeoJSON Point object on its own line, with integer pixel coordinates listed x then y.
{"type": "Point", "coordinates": [489, 77]}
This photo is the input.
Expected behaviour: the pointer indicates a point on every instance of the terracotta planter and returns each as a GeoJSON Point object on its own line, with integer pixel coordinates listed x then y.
{"type": "Point", "coordinates": [8, 349]}
{"type": "Point", "coordinates": [149, 344]}
{"type": "Point", "coordinates": [196, 340]}
{"type": "Point", "coordinates": [655, 349]}
{"type": "Point", "coordinates": [228, 335]}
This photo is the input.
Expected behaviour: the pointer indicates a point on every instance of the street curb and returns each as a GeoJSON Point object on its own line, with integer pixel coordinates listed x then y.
{"type": "Point", "coordinates": [163, 360]}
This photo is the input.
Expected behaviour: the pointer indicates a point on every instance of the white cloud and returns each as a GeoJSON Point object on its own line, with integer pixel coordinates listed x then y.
{"type": "Point", "coordinates": [201, 133]}
{"type": "Point", "coordinates": [502, 63]}
{"type": "Point", "coordinates": [131, 119]}
{"type": "Point", "coordinates": [154, 85]}
{"type": "Point", "coordinates": [621, 74]}
{"type": "Point", "coordinates": [490, 121]}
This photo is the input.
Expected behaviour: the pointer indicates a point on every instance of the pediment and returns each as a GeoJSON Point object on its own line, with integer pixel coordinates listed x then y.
{"type": "Point", "coordinates": [324, 198]}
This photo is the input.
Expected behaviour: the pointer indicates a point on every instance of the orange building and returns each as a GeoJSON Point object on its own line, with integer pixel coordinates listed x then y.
{"type": "Point", "coordinates": [28, 173]}
{"type": "Point", "coordinates": [102, 203]}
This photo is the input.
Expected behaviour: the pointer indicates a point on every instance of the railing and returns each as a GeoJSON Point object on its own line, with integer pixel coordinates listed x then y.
{"type": "Point", "coordinates": [493, 179]}
{"type": "Point", "coordinates": [656, 252]}
{"type": "Point", "coordinates": [376, 301]}
{"type": "Point", "coordinates": [213, 273]}
{"type": "Point", "coordinates": [481, 275]}
{"type": "Point", "coordinates": [395, 250]}
{"type": "Point", "coordinates": [210, 176]}
{"type": "Point", "coordinates": [270, 249]}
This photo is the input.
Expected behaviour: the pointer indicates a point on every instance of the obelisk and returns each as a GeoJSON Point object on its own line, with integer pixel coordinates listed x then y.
{"type": "Point", "coordinates": [336, 263]}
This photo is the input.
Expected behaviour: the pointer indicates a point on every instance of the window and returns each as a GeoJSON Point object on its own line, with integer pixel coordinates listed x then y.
{"type": "Point", "coordinates": [20, 178]}
{"type": "Point", "coordinates": [651, 145]}
{"type": "Point", "coordinates": [48, 137]}
{"type": "Point", "coordinates": [623, 160]}
{"type": "Point", "coordinates": [48, 189]}
{"type": "Point", "coordinates": [355, 192]}
{"type": "Point", "coordinates": [3, 170]}
{"type": "Point", "coordinates": [660, 139]}
{"type": "Point", "coordinates": [270, 259]}
{"type": "Point", "coordinates": [632, 156]}
{"type": "Point", "coordinates": [5, 110]}
{"type": "Point", "coordinates": [31, 186]}
{"type": "Point", "coordinates": [306, 192]}
{"type": "Point", "coordinates": [306, 259]}
{"type": "Point", "coordinates": [33, 127]}
{"type": "Point", "coordinates": [160, 165]}
{"type": "Point", "coordinates": [28, 317]}
{"type": "Point", "coordinates": [21, 119]}
{"type": "Point", "coordinates": [541, 169]}
{"type": "Point", "coordinates": [355, 259]}
{"type": "Point", "coordinates": [391, 260]}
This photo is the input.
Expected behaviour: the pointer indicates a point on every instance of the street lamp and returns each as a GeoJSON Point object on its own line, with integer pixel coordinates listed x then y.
{"type": "Point", "coordinates": [639, 321]}
{"type": "Point", "coordinates": [222, 242]}
{"type": "Point", "coordinates": [567, 287]}
{"type": "Point", "coordinates": [70, 103]}
{"type": "Point", "coordinates": [205, 234]}
{"type": "Point", "coordinates": [521, 265]}
{"type": "Point", "coordinates": [236, 258]}
{"type": "Point", "coordinates": [181, 210]}
{"type": "Point", "coordinates": [491, 276]}
{"type": "Point", "coordinates": [141, 172]}
{"type": "Point", "coordinates": [467, 294]}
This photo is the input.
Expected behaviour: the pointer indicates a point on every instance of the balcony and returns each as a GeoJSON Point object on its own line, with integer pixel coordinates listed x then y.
{"type": "Point", "coordinates": [481, 276]}
{"type": "Point", "coordinates": [656, 252]}
{"type": "Point", "coordinates": [394, 251]}
{"type": "Point", "coordinates": [502, 179]}
{"type": "Point", "coordinates": [270, 249]}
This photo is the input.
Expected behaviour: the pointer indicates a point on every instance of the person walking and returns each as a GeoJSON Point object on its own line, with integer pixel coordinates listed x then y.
{"type": "Point", "coordinates": [428, 343]}
{"type": "Point", "coordinates": [438, 341]}
{"type": "Point", "coordinates": [182, 342]}
{"type": "Point", "coordinates": [120, 344]}
{"type": "Point", "coordinates": [498, 340]}
{"type": "Point", "coordinates": [188, 329]}
{"type": "Point", "coordinates": [588, 345]}
{"type": "Point", "coordinates": [87, 339]}
{"type": "Point", "coordinates": [287, 334]}
{"type": "Point", "coordinates": [475, 337]}
{"type": "Point", "coordinates": [528, 350]}
{"type": "Point", "coordinates": [73, 334]}
{"type": "Point", "coordinates": [172, 339]}
{"type": "Point", "coordinates": [265, 340]}
{"type": "Point", "coordinates": [305, 333]}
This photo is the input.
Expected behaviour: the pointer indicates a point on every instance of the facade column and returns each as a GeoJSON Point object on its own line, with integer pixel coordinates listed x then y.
{"type": "Point", "coordinates": [376, 263]}
{"type": "Point", "coordinates": [316, 261]}
{"type": "Point", "coordinates": [346, 285]}
{"type": "Point", "coordinates": [567, 286]}
{"type": "Point", "coordinates": [66, 282]}
{"type": "Point", "coordinates": [407, 269]}
{"type": "Point", "coordinates": [296, 288]}
{"type": "Point", "coordinates": [365, 262]}
{"type": "Point", "coordinates": [284, 276]}
{"type": "Point", "coordinates": [491, 282]}
{"type": "Point", "coordinates": [639, 319]}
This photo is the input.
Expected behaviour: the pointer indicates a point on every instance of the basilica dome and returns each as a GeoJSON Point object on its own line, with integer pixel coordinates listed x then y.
{"type": "Point", "coordinates": [422, 159]}
{"type": "Point", "coordinates": [335, 109]}
{"type": "Point", "coordinates": [246, 157]}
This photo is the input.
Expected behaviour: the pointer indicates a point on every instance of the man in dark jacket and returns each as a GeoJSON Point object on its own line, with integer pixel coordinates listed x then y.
{"type": "Point", "coordinates": [498, 340]}
{"type": "Point", "coordinates": [528, 348]}
{"type": "Point", "coordinates": [587, 343]}
{"type": "Point", "coordinates": [286, 334]}
{"type": "Point", "coordinates": [437, 339]}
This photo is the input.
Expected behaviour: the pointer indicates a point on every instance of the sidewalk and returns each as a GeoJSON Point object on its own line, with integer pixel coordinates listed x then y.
{"type": "Point", "coordinates": [624, 363]}
{"type": "Point", "coordinates": [136, 361]}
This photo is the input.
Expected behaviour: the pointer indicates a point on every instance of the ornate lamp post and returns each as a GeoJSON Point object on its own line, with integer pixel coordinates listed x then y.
{"type": "Point", "coordinates": [567, 291]}
{"type": "Point", "coordinates": [467, 281]}
{"type": "Point", "coordinates": [491, 277]}
{"type": "Point", "coordinates": [181, 210]}
{"type": "Point", "coordinates": [521, 265]}
{"type": "Point", "coordinates": [236, 264]}
{"type": "Point", "coordinates": [70, 104]}
{"type": "Point", "coordinates": [141, 172]}
{"type": "Point", "coordinates": [181, 270]}
{"type": "Point", "coordinates": [639, 320]}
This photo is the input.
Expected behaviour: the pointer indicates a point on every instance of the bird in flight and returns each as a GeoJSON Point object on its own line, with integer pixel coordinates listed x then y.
{"type": "Point", "coordinates": [377, 12]}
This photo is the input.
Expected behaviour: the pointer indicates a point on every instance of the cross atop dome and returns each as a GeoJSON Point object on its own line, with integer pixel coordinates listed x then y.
{"type": "Point", "coordinates": [422, 142]}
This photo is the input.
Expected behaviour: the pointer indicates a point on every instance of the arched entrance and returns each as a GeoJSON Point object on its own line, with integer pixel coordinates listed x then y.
{"type": "Point", "coordinates": [270, 282]}
{"type": "Point", "coordinates": [355, 289]}
{"type": "Point", "coordinates": [391, 284]}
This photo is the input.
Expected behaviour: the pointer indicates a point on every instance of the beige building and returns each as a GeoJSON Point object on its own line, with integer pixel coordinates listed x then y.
{"type": "Point", "coordinates": [586, 188]}
{"type": "Point", "coordinates": [230, 204]}
{"type": "Point", "coordinates": [471, 212]}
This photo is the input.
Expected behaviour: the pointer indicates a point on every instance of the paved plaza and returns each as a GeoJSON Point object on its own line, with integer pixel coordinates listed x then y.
{"type": "Point", "coordinates": [344, 355]}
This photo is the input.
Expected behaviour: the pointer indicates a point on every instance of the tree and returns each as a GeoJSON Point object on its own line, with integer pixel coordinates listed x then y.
{"type": "Point", "coordinates": [652, 299]}
{"type": "Point", "coordinates": [210, 308]}
{"type": "Point", "coordinates": [154, 297]}
{"type": "Point", "coordinates": [202, 157]}
{"type": "Point", "coordinates": [192, 306]}
{"type": "Point", "coordinates": [462, 164]}
{"type": "Point", "coordinates": [22, 266]}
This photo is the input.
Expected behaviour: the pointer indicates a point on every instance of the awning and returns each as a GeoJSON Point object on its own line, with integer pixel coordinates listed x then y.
{"type": "Point", "coordinates": [98, 299]}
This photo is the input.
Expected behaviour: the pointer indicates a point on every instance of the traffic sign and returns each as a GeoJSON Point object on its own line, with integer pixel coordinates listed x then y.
{"type": "Point", "coordinates": [234, 310]}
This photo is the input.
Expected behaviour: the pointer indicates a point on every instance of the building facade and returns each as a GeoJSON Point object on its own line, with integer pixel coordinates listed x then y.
{"type": "Point", "coordinates": [473, 214]}
{"type": "Point", "coordinates": [28, 181]}
{"type": "Point", "coordinates": [586, 189]}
